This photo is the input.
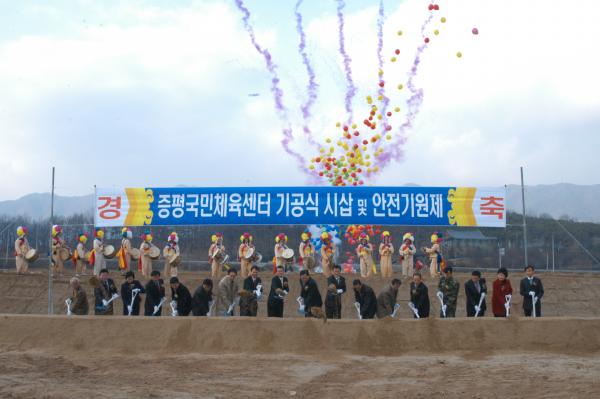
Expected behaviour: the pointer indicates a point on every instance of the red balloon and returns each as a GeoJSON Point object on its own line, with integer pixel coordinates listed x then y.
{"type": "Point", "coordinates": [389, 114]}
{"type": "Point", "coordinates": [397, 52]}
{"type": "Point", "coordinates": [381, 84]}
{"type": "Point", "coordinates": [430, 7]}
{"type": "Point", "coordinates": [436, 7]}
{"type": "Point", "coordinates": [475, 31]}
{"type": "Point", "coordinates": [426, 40]}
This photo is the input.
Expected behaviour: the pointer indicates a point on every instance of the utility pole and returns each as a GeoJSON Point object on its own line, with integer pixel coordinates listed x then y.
{"type": "Point", "coordinates": [524, 218]}
{"type": "Point", "coordinates": [50, 276]}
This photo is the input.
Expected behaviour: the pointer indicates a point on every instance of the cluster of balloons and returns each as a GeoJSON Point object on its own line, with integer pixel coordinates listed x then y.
{"type": "Point", "coordinates": [352, 155]}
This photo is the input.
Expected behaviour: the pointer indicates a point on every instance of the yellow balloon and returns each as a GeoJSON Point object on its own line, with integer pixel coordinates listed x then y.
{"type": "Point", "coordinates": [380, 98]}
{"type": "Point", "coordinates": [399, 33]}
{"type": "Point", "coordinates": [443, 20]}
{"type": "Point", "coordinates": [397, 109]}
{"type": "Point", "coordinates": [328, 140]}
{"type": "Point", "coordinates": [338, 124]}
{"type": "Point", "coordinates": [376, 168]}
{"type": "Point", "coordinates": [322, 150]}
{"type": "Point", "coordinates": [379, 117]}
{"type": "Point", "coordinates": [381, 72]}
{"type": "Point", "coordinates": [436, 32]}
{"type": "Point", "coordinates": [459, 54]}
{"type": "Point", "coordinates": [389, 137]}
{"type": "Point", "coordinates": [311, 167]}
{"type": "Point", "coordinates": [393, 59]}
{"type": "Point", "coordinates": [354, 126]}
{"type": "Point", "coordinates": [400, 87]}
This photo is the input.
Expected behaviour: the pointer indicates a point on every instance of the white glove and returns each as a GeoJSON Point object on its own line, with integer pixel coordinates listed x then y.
{"type": "Point", "coordinates": [129, 309]}
{"type": "Point", "coordinates": [230, 310]}
{"type": "Point", "coordinates": [259, 288]}
{"type": "Point", "coordinates": [531, 293]}
{"type": "Point", "coordinates": [444, 308]}
{"type": "Point", "coordinates": [135, 290]}
{"type": "Point", "coordinates": [477, 309]}
{"type": "Point", "coordinates": [301, 308]}
{"type": "Point", "coordinates": [155, 309]}
{"type": "Point", "coordinates": [104, 302]}
{"type": "Point", "coordinates": [340, 291]}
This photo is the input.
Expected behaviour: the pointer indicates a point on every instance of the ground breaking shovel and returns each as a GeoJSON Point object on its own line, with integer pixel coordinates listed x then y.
{"type": "Point", "coordinates": [159, 306]}
{"type": "Point", "coordinates": [507, 299]}
{"type": "Point", "coordinates": [230, 310]}
{"type": "Point", "coordinates": [414, 309]}
{"type": "Point", "coordinates": [357, 306]}
{"type": "Point", "coordinates": [68, 302]}
{"type": "Point", "coordinates": [396, 308]}
{"type": "Point", "coordinates": [478, 308]}
{"type": "Point", "coordinates": [440, 296]}
{"type": "Point", "coordinates": [173, 308]}
{"type": "Point", "coordinates": [300, 305]}
{"type": "Point", "coordinates": [134, 293]}
{"type": "Point", "coordinates": [534, 300]}
{"type": "Point", "coordinates": [106, 303]}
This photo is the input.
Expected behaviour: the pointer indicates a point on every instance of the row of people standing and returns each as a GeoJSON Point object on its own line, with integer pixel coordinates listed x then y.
{"type": "Point", "coordinates": [145, 257]}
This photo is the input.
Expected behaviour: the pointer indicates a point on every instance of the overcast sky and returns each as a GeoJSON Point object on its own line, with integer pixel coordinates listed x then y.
{"type": "Point", "coordinates": [145, 93]}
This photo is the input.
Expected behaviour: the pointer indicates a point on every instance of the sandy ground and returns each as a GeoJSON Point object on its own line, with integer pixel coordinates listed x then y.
{"type": "Point", "coordinates": [36, 374]}
{"type": "Point", "coordinates": [117, 357]}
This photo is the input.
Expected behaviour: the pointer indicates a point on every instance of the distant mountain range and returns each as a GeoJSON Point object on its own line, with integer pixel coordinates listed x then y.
{"type": "Point", "coordinates": [557, 200]}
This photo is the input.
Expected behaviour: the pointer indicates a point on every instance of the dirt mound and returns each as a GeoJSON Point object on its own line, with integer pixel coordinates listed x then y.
{"type": "Point", "coordinates": [121, 335]}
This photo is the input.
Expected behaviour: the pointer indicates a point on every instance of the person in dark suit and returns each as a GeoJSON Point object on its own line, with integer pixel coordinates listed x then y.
{"type": "Point", "coordinates": [127, 293]}
{"type": "Point", "coordinates": [531, 284]}
{"type": "Point", "coordinates": [386, 300]}
{"type": "Point", "coordinates": [155, 292]}
{"type": "Point", "coordinates": [181, 295]}
{"type": "Point", "coordinates": [474, 290]}
{"type": "Point", "coordinates": [202, 299]}
{"type": "Point", "coordinates": [419, 296]}
{"type": "Point", "coordinates": [365, 296]}
{"type": "Point", "coordinates": [335, 297]}
{"type": "Point", "coordinates": [310, 295]}
{"type": "Point", "coordinates": [250, 294]}
{"type": "Point", "coordinates": [279, 289]}
{"type": "Point", "coordinates": [104, 291]}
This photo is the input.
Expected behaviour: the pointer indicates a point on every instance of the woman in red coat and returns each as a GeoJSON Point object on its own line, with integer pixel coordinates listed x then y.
{"type": "Point", "coordinates": [501, 288]}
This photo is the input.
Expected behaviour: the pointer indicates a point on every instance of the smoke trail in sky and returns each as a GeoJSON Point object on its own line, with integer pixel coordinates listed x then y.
{"type": "Point", "coordinates": [350, 88]}
{"type": "Point", "coordinates": [275, 87]}
{"type": "Point", "coordinates": [312, 86]}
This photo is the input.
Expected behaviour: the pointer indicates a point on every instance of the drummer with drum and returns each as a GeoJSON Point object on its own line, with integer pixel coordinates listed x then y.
{"type": "Point", "coordinates": [98, 252]}
{"type": "Point", "coordinates": [148, 253]}
{"type": "Point", "coordinates": [124, 254]}
{"type": "Point", "coordinates": [79, 255]}
{"type": "Point", "coordinates": [307, 252]}
{"type": "Point", "coordinates": [327, 254]}
{"type": "Point", "coordinates": [22, 251]}
{"type": "Point", "coordinates": [172, 255]}
{"type": "Point", "coordinates": [216, 255]}
{"type": "Point", "coordinates": [60, 252]}
{"type": "Point", "coordinates": [284, 256]}
{"type": "Point", "coordinates": [247, 254]}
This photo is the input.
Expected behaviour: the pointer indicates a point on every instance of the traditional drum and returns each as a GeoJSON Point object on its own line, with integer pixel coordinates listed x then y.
{"type": "Point", "coordinates": [109, 251]}
{"type": "Point", "coordinates": [32, 255]}
{"type": "Point", "coordinates": [154, 253]}
{"type": "Point", "coordinates": [249, 253]}
{"type": "Point", "coordinates": [309, 262]}
{"type": "Point", "coordinates": [134, 253]}
{"type": "Point", "coordinates": [174, 259]}
{"type": "Point", "coordinates": [64, 254]}
{"type": "Point", "coordinates": [288, 253]}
